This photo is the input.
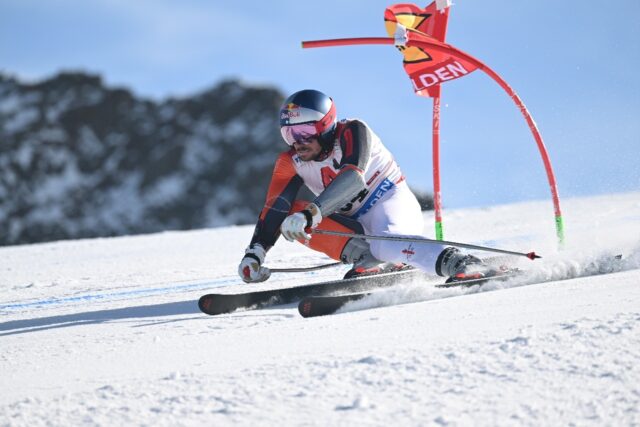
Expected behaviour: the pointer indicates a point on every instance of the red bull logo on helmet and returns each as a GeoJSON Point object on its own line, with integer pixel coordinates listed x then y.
{"type": "Point", "coordinates": [289, 114]}
{"type": "Point", "coordinates": [290, 111]}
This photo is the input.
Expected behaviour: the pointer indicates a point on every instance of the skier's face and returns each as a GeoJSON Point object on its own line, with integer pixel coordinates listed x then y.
{"type": "Point", "coordinates": [308, 150]}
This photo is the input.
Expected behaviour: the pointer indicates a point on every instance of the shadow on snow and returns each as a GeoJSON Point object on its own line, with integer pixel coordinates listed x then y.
{"type": "Point", "coordinates": [92, 317]}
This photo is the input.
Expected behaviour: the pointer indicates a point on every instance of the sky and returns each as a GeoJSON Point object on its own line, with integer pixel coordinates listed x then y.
{"type": "Point", "coordinates": [574, 63]}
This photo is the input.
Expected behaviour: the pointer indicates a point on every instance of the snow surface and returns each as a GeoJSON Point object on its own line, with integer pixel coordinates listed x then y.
{"type": "Point", "coordinates": [107, 332]}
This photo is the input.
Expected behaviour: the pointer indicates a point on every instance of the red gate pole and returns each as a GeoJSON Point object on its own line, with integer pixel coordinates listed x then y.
{"type": "Point", "coordinates": [437, 200]}
{"type": "Point", "coordinates": [446, 48]}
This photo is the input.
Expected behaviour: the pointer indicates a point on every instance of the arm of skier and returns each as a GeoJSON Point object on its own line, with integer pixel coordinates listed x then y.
{"type": "Point", "coordinates": [355, 143]}
{"type": "Point", "coordinates": [283, 188]}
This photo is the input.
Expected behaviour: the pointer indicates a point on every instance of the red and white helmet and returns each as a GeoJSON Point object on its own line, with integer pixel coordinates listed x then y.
{"type": "Point", "coordinates": [308, 114]}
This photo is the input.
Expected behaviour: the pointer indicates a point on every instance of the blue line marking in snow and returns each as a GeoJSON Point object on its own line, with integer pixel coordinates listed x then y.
{"type": "Point", "coordinates": [113, 296]}
{"type": "Point", "coordinates": [108, 296]}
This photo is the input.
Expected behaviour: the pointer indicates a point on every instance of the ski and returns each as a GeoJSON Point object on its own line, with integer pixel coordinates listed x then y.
{"type": "Point", "coordinates": [324, 305]}
{"type": "Point", "coordinates": [214, 304]}
{"type": "Point", "coordinates": [466, 283]}
{"type": "Point", "coordinates": [313, 306]}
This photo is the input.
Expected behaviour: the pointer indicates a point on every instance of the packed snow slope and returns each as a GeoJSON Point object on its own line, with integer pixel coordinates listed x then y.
{"type": "Point", "coordinates": [107, 332]}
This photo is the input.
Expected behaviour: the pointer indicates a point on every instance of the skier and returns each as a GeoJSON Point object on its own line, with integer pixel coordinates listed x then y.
{"type": "Point", "coordinates": [359, 188]}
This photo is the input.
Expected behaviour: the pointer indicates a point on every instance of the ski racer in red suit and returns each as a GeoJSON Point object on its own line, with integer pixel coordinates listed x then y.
{"type": "Point", "coordinates": [359, 188]}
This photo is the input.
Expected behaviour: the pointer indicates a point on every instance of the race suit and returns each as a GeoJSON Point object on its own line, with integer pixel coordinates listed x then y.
{"type": "Point", "coordinates": [382, 204]}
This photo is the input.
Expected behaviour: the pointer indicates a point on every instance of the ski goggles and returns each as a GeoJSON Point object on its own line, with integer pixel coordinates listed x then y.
{"type": "Point", "coordinates": [303, 133]}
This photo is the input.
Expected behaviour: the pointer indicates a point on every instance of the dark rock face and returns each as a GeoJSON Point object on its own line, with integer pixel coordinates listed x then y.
{"type": "Point", "coordinates": [78, 159]}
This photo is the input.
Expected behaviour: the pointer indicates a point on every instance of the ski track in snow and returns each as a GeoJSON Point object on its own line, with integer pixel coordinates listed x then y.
{"type": "Point", "coordinates": [107, 332]}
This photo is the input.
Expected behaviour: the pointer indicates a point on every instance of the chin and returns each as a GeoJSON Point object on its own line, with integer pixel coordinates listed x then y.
{"type": "Point", "coordinates": [308, 153]}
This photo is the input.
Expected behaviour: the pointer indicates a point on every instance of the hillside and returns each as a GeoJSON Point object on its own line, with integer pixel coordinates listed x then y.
{"type": "Point", "coordinates": [107, 331]}
{"type": "Point", "coordinates": [81, 159]}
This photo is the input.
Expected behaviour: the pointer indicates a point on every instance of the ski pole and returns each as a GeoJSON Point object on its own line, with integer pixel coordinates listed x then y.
{"type": "Point", "coordinates": [303, 269]}
{"type": "Point", "coordinates": [530, 255]}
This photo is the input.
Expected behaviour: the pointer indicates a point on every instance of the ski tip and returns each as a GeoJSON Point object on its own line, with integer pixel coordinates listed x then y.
{"type": "Point", "coordinates": [201, 306]}
{"type": "Point", "coordinates": [304, 307]}
{"type": "Point", "coordinates": [533, 255]}
{"type": "Point", "coordinates": [208, 305]}
{"type": "Point", "coordinates": [204, 303]}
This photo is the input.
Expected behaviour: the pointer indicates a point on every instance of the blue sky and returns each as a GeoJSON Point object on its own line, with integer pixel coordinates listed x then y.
{"type": "Point", "coordinates": [574, 63]}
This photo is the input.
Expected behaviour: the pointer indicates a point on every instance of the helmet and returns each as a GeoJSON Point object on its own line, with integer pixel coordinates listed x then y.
{"type": "Point", "coordinates": [306, 114]}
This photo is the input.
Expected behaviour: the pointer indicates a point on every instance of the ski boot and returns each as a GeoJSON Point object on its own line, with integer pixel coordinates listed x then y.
{"type": "Point", "coordinates": [357, 252]}
{"type": "Point", "coordinates": [458, 266]}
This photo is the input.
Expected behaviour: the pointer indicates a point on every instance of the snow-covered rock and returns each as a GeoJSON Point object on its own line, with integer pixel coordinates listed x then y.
{"type": "Point", "coordinates": [80, 159]}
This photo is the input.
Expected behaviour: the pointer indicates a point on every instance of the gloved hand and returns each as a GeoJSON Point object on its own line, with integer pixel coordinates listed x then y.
{"type": "Point", "coordinates": [250, 268]}
{"type": "Point", "coordinates": [293, 227]}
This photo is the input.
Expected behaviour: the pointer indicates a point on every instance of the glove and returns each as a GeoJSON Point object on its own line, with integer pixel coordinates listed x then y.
{"type": "Point", "coordinates": [294, 226]}
{"type": "Point", "coordinates": [250, 268]}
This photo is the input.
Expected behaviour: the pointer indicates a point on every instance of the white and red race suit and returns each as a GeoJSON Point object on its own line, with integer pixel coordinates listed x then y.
{"type": "Point", "coordinates": [384, 205]}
